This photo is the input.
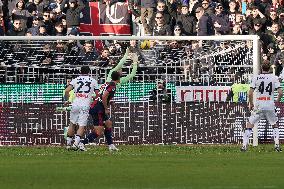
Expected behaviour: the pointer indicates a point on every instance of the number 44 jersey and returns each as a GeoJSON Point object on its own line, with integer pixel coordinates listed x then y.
{"type": "Point", "coordinates": [264, 86]}
{"type": "Point", "coordinates": [84, 87]}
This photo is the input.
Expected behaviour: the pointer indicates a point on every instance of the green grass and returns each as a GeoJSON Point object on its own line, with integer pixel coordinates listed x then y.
{"type": "Point", "coordinates": [142, 167]}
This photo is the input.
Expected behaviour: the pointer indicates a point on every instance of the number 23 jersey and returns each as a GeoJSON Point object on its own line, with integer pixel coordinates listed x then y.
{"type": "Point", "coordinates": [264, 86]}
{"type": "Point", "coordinates": [84, 87]}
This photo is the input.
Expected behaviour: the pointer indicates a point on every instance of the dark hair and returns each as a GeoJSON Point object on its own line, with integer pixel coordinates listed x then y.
{"type": "Point", "coordinates": [115, 76]}
{"type": "Point", "coordinates": [85, 70]}
{"type": "Point", "coordinates": [265, 66]}
{"type": "Point", "coordinates": [105, 49]}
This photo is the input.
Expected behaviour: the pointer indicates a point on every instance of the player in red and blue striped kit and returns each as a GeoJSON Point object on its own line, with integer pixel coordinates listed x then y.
{"type": "Point", "coordinates": [100, 113]}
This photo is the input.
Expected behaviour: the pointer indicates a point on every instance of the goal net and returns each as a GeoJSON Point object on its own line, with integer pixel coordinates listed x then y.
{"type": "Point", "coordinates": [179, 94]}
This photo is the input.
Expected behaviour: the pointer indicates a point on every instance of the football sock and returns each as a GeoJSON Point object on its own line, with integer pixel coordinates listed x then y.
{"type": "Point", "coordinates": [69, 140]}
{"type": "Point", "coordinates": [246, 136]}
{"type": "Point", "coordinates": [77, 140]}
{"type": "Point", "coordinates": [108, 135]}
{"type": "Point", "coordinates": [90, 138]}
{"type": "Point", "coordinates": [276, 135]}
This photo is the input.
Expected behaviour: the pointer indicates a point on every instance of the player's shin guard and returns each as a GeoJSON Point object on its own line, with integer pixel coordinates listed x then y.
{"type": "Point", "coordinates": [90, 138]}
{"type": "Point", "coordinates": [276, 135]}
{"type": "Point", "coordinates": [246, 136]}
{"type": "Point", "coordinates": [108, 135]}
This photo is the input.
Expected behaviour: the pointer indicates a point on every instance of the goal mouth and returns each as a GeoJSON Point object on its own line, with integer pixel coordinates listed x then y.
{"type": "Point", "coordinates": [174, 74]}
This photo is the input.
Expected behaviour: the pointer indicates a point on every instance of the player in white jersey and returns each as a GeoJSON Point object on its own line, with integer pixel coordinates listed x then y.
{"type": "Point", "coordinates": [84, 86]}
{"type": "Point", "coordinates": [264, 86]}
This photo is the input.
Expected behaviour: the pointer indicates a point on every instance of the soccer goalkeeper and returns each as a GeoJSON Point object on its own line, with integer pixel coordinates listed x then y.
{"type": "Point", "coordinates": [118, 68]}
{"type": "Point", "coordinates": [96, 132]}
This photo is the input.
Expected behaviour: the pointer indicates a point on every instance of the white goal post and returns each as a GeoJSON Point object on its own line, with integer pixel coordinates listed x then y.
{"type": "Point", "coordinates": [253, 38]}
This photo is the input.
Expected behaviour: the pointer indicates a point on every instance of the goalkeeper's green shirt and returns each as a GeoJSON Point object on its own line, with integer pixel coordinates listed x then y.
{"type": "Point", "coordinates": [125, 79]}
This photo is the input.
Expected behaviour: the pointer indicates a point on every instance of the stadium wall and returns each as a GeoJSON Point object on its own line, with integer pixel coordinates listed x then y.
{"type": "Point", "coordinates": [135, 123]}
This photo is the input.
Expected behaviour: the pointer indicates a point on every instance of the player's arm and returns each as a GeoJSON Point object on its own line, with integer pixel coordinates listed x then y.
{"type": "Point", "coordinates": [118, 66]}
{"type": "Point", "coordinates": [66, 95]}
{"type": "Point", "coordinates": [132, 74]}
{"type": "Point", "coordinates": [279, 90]}
{"type": "Point", "coordinates": [250, 95]}
{"type": "Point", "coordinates": [104, 99]}
{"type": "Point", "coordinates": [280, 94]}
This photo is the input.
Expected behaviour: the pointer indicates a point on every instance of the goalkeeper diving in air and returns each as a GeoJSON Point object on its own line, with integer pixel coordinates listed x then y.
{"type": "Point", "coordinates": [100, 107]}
{"type": "Point", "coordinates": [105, 126]}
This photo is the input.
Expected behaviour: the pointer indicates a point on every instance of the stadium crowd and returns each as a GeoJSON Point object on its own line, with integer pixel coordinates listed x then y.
{"type": "Point", "coordinates": [149, 17]}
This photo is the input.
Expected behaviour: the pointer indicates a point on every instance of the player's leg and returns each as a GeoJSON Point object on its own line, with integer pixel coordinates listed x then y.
{"type": "Point", "coordinates": [96, 132]}
{"type": "Point", "coordinates": [82, 122]}
{"type": "Point", "coordinates": [253, 119]}
{"type": "Point", "coordinates": [70, 134]}
{"type": "Point", "coordinates": [272, 119]}
{"type": "Point", "coordinates": [108, 135]}
{"type": "Point", "coordinates": [72, 127]}
{"type": "Point", "coordinates": [98, 129]}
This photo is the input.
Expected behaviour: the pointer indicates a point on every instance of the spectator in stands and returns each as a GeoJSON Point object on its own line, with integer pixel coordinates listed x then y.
{"type": "Point", "coordinates": [275, 33]}
{"type": "Point", "coordinates": [232, 12]}
{"type": "Point", "coordinates": [35, 26]}
{"type": "Point", "coordinates": [53, 17]}
{"type": "Point", "coordinates": [112, 50]}
{"type": "Point", "coordinates": [193, 5]}
{"type": "Point", "coordinates": [160, 27]}
{"type": "Point", "coordinates": [60, 52]}
{"type": "Point", "coordinates": [173, 53]}
{"type": "Point", "coordinates": [160, 93]}
{"type": "Point", "coordinates": [17, 29]}
{"type": "Point", "coordinates": [274, 6]}
{"type": "Point", "coordinates": [48, 23]}
{"type": "Point", "coordinates": [178, 31]}
{"type": "Point", "coordinates": [2, 32]}
{"type": "Point", "coordinates": [147, 12]}
{"type": "Point", "coordinates": [162, 8]}
{"type": "Point", "coordinates": [239, 20]}
{"type": "Point", "coordinates": [208, 7]}
{"type": "Point", "coordinates": [20, 13]}
{"type": "Point", "coordinates": [257, 28]}
{"type": "Point", "coordinates": [88, 54]}
{"type": "Point", "coordinates": [58, 6]}
{"type": "Point", "coordinates": [256, 15]}
{"type": "Point", "coordinates": [273, 18]}
{"type": "Point", "coordinates": [62, 18]}
{"type": "Point", "coordinates": [59, 29]}
{"type": "Point", "coordinates": [205, 24]}
{"type": "Point", "coordinates": [46, 56]}
{"type": "Point", "coordinates": [279, 58]}
{"type": "Point", "coordinates": [220, 21]}
{"type": "Point", "coordinates": [236, 30]}
{"type": "Point", "coordinates": [271, 54]}
{"type": "Point", "coordinates": [73, 14]}
{"type": "Point", "coordinates": [134, 48]}
{"type": "Point", "coordinates": [116, 49]}
{"type": "Point", "coordinates": [104, 59]}
{"type": "Point", "coordinates": [186, 21]}
{"type": "Point", "coordinates": [40, 6]}
{"type": "Point", "coordinates": [42, 30]}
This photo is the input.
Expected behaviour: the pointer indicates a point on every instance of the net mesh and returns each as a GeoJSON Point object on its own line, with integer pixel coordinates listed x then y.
{"type": "Point", "coordinates": [34, 74]}
{"type": "Point", "coordinates": [178, 61]}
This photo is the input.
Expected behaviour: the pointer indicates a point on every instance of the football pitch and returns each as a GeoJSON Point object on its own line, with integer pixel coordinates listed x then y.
{"type": "Point", "coordinates": [142, 167]}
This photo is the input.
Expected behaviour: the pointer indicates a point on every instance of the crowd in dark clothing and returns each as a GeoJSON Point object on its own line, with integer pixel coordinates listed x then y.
{"type": "Point", "coordinates": [154, 17]}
